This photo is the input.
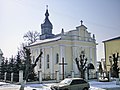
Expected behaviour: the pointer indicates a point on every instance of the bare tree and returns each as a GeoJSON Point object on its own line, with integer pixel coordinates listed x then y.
{"type": "Point", "coordinates": [22, 51]}
{"type": "Point", "coordinates": [115, 68]}
{"type": "Point", "coordinates": [31, 36]}
{"type": "Point", "coordinates": [81, 64]}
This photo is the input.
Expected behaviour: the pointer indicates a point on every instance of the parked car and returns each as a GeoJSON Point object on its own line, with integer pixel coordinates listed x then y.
{"type": "Point", "coordinates": [71, 84]}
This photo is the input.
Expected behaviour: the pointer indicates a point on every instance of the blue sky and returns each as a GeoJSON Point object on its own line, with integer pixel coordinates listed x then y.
{"type": "Point", "coordinates": [101, 17]}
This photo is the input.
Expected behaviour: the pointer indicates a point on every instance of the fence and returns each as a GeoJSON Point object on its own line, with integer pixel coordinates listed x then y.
{"type": "Point", "coordinates": [18, 76]}
{"type": "Point", "coordinates": [9, 76]}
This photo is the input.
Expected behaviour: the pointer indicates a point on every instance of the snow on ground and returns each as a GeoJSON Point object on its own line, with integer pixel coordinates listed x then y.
{"type": "Point", "coordinates": [47, 87]}
{"type": "Point", "coordinates": [38, 87]}
{"type": "Point", "coordinates": [104, 84]}
{"type": "Point", "coordinates": [7, 86]}
{"type": "Point", "coordinates": [94, 85]}
{"type": "Point", "coordinates": [2, 83]}
{"type": "Point", "coordinates": [96, 88]}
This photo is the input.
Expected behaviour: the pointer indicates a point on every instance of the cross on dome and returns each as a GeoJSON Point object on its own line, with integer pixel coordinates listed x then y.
{"type": "Point", "coordinates": [46, 14]}
{"type": "Point", "coordinates": [47, 7]}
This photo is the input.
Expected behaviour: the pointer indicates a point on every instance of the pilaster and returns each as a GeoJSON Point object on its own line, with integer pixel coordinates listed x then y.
{"type": "Point", "coordinates": [51, 62]}
{"type": "Point", "coordinates": [75, 55]}
{"type": "Point", "coordinates": [62, 55]}
{"type": "Point", "coordinates": [43, 61]}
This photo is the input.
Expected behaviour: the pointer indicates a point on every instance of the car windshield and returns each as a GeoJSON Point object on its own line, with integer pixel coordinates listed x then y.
{"type": "Point", "coordinates": [66, 81]}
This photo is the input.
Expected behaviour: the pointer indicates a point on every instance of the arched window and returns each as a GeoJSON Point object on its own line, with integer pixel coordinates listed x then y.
{"type": "Point", "coordinates": [48, 61]}
{"type": "Point", "coordinates": [57, 58]}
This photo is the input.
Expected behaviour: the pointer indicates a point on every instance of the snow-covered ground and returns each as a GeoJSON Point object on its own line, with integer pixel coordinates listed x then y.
{"type": "Point", "coordinates": [7, 86]}
{"type": "Point", "coordinates": [38, 86]}
{"type": "Point", "coordinates": [47, 87]}
{"type": "Point", "coordinates": [94, 85]}
{"type": "Point", "coordinates": [105, 85]}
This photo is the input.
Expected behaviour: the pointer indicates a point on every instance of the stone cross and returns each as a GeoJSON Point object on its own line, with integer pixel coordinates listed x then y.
{"type": "Point", "coordinates": [81, 22]}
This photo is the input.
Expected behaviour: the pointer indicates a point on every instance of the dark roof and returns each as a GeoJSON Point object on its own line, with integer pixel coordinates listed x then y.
{"type": "Point", "coordinates": [47, 22]}
{"type": "Point", "coordinates": [116, 38]}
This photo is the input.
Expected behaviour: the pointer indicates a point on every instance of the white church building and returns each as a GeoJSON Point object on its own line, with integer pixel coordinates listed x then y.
{"type": "Point", "coordinates": [67, 45]}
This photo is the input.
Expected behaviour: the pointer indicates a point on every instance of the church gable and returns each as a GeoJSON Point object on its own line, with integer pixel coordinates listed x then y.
{"type": "Point", "coordinates": [79, 34]}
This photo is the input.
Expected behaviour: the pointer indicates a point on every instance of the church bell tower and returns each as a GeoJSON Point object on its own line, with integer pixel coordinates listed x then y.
{"type": "Point", "coordinates": [46, 27]}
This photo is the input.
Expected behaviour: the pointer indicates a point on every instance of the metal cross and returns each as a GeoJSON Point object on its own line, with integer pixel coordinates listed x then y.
{"type": "Point", "coordinates": [63, 63]}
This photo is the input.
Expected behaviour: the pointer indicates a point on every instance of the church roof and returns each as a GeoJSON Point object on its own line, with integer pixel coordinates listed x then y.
{"type": "Point", "coordinates": [116, 38]}
{"type": "Point", "coordinates": [45, 41]}
{"type": "Point", "coordinates": [47, 22]}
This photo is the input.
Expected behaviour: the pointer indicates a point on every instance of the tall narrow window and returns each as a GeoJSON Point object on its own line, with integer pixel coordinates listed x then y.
{"type": "Point", "coordinates": [57, 58]}
{"type": "Point", "coordinates": [40, 64]}
{"type": "Point", "coordinates": [48, 61]}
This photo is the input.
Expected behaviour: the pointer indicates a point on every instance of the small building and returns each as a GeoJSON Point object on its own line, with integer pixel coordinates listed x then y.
{"type": "Point", "coordinates": [67, 45]}
{"type": "Point", "coordinates": [111, 46]}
